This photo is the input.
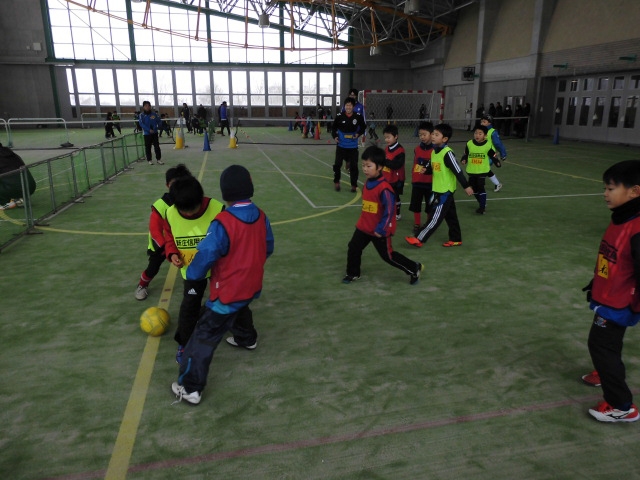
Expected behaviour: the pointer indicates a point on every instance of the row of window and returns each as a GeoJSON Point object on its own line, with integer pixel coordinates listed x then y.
{"type": "Point", "coordinates": [588, 84]}
{"type": "Point", "coordinates": [129, 87]}
{"type": "Point", "coordinates": [178, 35]}
{"type": "Point", "coordinates": [581, 113]}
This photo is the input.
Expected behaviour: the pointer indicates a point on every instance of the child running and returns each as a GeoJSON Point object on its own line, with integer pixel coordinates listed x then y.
{"type": "Point", "coordinates": [478, 155]}
{"type": "Point", "coordinates": [377, 222]}
{"type": "Point", "coordinates": [155, 250]}
{"type": "Point", "coordinates": [445, 173]}
{"type": "Point", "coordinates": [494, 137]}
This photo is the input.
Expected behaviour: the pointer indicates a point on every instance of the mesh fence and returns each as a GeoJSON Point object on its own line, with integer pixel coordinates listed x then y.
{"type": "Point", "coordinates": [60, 181]}
{"type": "Point", "coordinates": [311, 132]}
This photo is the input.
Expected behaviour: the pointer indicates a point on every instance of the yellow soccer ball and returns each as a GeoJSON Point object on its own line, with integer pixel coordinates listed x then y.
{"type": "Point", "coordinates": [154, 321]}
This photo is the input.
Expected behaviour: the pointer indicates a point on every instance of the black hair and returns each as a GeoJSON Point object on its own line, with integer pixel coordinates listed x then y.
{"type": "Point", "coordinates": [178, 171]}
{"type": "Point", "coordinates": [626, 173]}
{"type": "Point", "coordinates": [428, 126]}
{"type": "Point", "coordinates": [374, 154]}
{"type": "Point", "coordinates": [392, 129]}
{"type": "Point", "coordinates": [483, 128]}
{"type": "Point", "coordinates": [349, 100]}
{"type": "Point", "coordinates": [187, 193]}
{"type": "Point", "coordinates": [354, 91]}
{"type": "Point", "coordinates": [146, 102]}
{"type": "Point", "coordinates": [445, 129]}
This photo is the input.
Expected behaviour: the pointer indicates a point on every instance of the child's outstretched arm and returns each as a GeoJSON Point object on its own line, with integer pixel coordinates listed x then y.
{"type": "Point", "coordinates": [210, 249]}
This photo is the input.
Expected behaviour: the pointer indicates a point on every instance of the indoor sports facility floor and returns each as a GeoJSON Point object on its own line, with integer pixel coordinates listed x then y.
{"type": "Point", "coordinates": [472, 373]}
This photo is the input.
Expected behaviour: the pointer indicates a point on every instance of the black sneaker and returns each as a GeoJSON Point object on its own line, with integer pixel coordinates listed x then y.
{"type": "Point", "coordinates": [415, 277]}
{"type": "Point", "coordinates": [350, 278]}
{"type": "Point", "coordinates": [232, 341]}
{"type": "Point", "coordinates": [480, 211]}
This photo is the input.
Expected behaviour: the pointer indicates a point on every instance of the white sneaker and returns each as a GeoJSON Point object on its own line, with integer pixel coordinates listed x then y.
{"type": "Point", "coordinates": [181, 394]}
{"type": "Point", "coordinates": [159, 162]}
{"type": "Point", "coordinates": [232, 341]}
{"type": "Point", "coordinates": [141, 292]}
{"type": "Point", "coordinates": [398, 217]}
{"type": "Point", "coordinates": [498, 188]}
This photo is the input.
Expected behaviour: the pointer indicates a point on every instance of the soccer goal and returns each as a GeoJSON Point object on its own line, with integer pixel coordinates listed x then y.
{"type": "Point", "coordinates": [404, 108]}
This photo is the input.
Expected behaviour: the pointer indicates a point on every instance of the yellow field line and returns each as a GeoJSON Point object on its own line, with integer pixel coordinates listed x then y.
{"type": "Point", "coordinates": [123, 448]}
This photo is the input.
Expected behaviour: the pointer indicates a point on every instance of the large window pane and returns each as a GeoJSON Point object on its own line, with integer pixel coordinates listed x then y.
{"type": "Point", "coordinates": [125, 81]}
{"type": "Point", "coordinates": [107, 100]}
{"type": "Point", "coordinates": [127, 99]}
{"type": "Point", "coordinates": [558, 112]}
{"type": "Point", "coordinates": [614, 112]}
{"type": "Point", "coordinates": [584, 111]}
{"type": "Point", "coordinates": [70, 80]}
{"type": "Point", "coordinates": [598, 112]}
{"type": "Point", "coordinates": [183, 81]}
{"type": "Point", "coordinates": [145, 81]}
{"type": "Point", "coordinates": [256, 82]}
{"type": "Point", "coordinates": [105, 81]}
{"type": "Point", "coordinates": [84, 80]}
{"type": "Point", "coordinates": [603, 83]}
{"type": "Point", "coordinates": [309, 88]}
{"type": "Point", "coordinates": [164, 81]}
{"type": "Point", "coordinates": [618, 83]}
{"type": "Point", "coordinates": [326, 82]}
{"type": "Point", "coordinates": [571, 110]}
{"type": "Point", "coordinates": [630, 112]}
{"type": "Point", "coordinates": [239, 82]}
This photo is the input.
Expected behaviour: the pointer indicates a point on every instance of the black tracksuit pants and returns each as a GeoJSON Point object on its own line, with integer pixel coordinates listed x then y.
{"type": "Point", "coordinates": [208, 334]}
{"type": "Point", "coordinates": [444, 209]}
{"type": "Point", "coordinates": [189, 309]}
{"type": "Point", "coordinates": [358, 243]}
{"type": "Point", "coordinates": [605, 347]}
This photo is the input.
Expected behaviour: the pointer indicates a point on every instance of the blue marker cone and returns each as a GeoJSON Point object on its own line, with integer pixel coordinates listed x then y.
{"type": "Point", "coordinates": [556, 137]}
{"type": "Point", "coordinates": [206, 147]}
{"type": "Point", "coordinates": [290, 126]}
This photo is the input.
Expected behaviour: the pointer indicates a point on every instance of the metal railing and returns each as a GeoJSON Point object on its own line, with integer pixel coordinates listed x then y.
{"type": "Point", "coordinates": [37, 121]}
{"type": "Point", "coordinates": [61, 181]}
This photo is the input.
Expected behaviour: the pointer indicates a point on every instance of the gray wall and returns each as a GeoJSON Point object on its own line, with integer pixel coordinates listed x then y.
{"type": "Point", "coordinates": [26, 79]}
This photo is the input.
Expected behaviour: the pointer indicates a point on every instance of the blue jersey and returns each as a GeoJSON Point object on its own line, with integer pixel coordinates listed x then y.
{"type": "Point", "coordinates": [150, 121]}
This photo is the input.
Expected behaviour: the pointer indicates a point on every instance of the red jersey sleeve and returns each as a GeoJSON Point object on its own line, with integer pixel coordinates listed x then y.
{"type": "Point", "coordinates": [156, 227]}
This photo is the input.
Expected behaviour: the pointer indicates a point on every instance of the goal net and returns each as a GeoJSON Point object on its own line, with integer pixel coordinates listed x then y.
{"type": "Point", "coordinates": [404, 108]}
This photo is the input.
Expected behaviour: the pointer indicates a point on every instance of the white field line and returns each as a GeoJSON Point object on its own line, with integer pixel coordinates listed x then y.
{"type": "Point", "coordinates": [288, 179]}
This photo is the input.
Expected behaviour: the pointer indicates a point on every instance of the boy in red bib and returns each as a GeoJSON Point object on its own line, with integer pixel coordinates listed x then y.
{"type": "Point", "coordinates": [235, 250]}
{"type": "Point", "coordinates": [377, 222]}
{"type": "Point", "coordinates": [614, 293]}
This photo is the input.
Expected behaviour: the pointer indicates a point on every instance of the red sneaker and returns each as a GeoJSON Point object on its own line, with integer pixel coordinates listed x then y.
{"type": "Point", "coordinates": [603, 412]}
{"type": "Point", "coordinates": [592, 379]}
{"type": "Point", "coordinates": [413, 241]}
{"type": "Point", "coordinates": [451, 244]}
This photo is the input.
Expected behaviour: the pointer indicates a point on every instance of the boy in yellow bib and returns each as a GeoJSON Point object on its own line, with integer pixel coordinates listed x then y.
{"type": "Point", "coordinates": [186, 224]}
{"type": "Point", "coordinates": [478, 155]}
{"type": "Point", "coordinates": [446, 174]}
